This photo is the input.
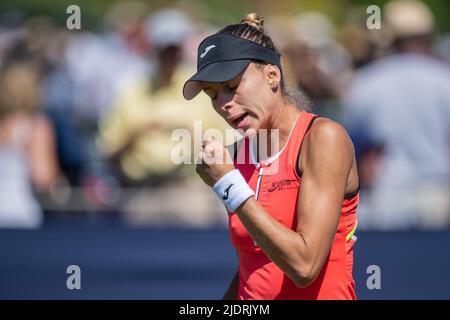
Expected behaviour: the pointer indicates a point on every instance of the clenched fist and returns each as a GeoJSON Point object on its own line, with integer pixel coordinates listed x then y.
{"type": "Point", "coordinates": [214, 161]}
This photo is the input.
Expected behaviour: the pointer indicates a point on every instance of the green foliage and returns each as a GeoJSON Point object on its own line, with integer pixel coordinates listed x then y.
{"type": "Point", "coordinates": [219, 12]}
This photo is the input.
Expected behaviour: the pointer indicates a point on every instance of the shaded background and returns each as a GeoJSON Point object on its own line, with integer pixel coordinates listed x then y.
{"type": "Point", "coordinates": [119, 263]}
{"type": "Point", "coordinates": [86, 118]}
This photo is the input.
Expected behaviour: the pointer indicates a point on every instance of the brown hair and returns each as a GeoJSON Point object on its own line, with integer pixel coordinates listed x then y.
{"type": "Point", "coordinates": [251, 28]}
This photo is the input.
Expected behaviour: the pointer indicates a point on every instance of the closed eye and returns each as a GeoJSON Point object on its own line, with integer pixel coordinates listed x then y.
{"type": "Point", "coordinates": [211, 93]}
{"type": "Point", "coordinates": [233, 84]}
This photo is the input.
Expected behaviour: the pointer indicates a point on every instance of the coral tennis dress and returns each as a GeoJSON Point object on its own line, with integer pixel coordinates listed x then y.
{"type": "Point", "coordinates": [277, 183]}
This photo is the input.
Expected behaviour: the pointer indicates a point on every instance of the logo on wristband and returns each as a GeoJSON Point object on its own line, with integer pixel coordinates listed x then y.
{"type": "Point", "coordinates": [227, 190]}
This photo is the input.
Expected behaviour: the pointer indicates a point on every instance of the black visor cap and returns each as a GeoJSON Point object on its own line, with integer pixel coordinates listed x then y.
{"type": "Point", "coordinates": [221, 57]}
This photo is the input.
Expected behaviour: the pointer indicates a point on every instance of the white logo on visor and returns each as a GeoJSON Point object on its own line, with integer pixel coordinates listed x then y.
{"type": "Point", "coordinates": [206, 50]}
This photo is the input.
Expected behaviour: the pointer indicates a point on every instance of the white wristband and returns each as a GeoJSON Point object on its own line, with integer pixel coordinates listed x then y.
{"type": "Point", "coordinates": [233, 190]}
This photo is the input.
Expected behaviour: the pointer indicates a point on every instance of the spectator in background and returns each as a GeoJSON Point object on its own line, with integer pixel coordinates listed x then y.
{"type": "Point", "coordinates": [398, 113]}
{"type": "Point", "coordinates": [45, 43]}
{"type": "Point", "coordinates": [27, 148]}
{"type": "Point", "coordinates": [87, 72]}
{"type": "Point", "coordinates": [136, 134]}
{"type": "Point", "coordinates": [318, 63]}
{"type": "Point", "coordinates": [98, 68]}
{"type": "Point", "coordinates": [102, 65]}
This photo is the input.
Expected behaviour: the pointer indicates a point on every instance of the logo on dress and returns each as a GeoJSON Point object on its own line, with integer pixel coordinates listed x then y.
{"type": "Point", "coordinates": [282, 184]}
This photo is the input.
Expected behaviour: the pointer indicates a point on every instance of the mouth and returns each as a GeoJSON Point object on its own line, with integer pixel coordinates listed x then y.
{"type": "Point", "coordinates": [238, 120]}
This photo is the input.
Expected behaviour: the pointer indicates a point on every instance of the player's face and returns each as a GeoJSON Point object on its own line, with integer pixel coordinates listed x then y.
{"type": "Point", "coordinates": [244, 102]}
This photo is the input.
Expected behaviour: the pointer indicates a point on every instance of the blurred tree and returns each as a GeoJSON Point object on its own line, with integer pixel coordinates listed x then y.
{"type": "Point", "coordinates": [219, 12]}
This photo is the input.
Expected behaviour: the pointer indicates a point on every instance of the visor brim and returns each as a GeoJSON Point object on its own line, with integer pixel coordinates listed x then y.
{"type": "Point", "coordinates": [215, 72]}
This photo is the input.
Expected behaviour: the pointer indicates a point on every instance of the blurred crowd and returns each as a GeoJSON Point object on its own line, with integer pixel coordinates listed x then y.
{"type": "Point", "coordinates": [86, 118]}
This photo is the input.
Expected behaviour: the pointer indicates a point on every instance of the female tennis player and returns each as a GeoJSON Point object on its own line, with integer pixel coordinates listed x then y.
{"type": "Point", "coordinates": [292, 214]}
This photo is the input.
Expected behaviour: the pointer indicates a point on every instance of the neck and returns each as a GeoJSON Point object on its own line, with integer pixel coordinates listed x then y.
{"type": "Point", "coordinates": [283, 122]}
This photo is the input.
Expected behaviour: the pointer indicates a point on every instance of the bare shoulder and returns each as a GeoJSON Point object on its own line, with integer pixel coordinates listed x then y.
{"type": "Point", "coordinates": [326, 133]}
{"type": "Point", "coordinates": [327, 143]}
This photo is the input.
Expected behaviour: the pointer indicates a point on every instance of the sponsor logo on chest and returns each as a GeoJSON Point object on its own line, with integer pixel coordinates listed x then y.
{"type": "Point", "coordinates": [282, 184]}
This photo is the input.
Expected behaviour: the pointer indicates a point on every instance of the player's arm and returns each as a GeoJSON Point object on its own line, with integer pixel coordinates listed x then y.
{"type": "Point", "coordinates": [326, 162]}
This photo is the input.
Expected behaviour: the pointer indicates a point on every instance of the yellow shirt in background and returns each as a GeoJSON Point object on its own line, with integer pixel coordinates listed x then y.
{"type": "Point", "coordinates": [135, 109]}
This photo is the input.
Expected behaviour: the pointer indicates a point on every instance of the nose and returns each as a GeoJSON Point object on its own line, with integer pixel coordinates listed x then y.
{"type": "Point", "coordinates": [224, 101]}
